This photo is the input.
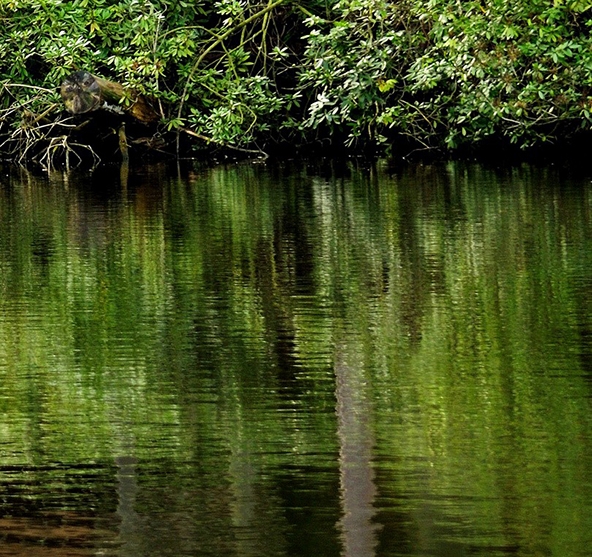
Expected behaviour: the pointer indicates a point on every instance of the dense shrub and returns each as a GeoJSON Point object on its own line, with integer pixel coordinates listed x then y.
{"type": "Point", "coordinates": [212, 68]}
{"type": "Point", "coordinates": [236, 72]}
{"type": "Point", "coordinates": [452, 72]}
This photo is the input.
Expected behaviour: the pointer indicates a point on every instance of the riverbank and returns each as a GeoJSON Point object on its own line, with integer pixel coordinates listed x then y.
{"type": "Point", "coordinates": [353, 75]}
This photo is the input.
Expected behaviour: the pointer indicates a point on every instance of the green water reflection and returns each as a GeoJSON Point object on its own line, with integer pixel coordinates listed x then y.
{"type": "Point", "coordinates": [289, 361]}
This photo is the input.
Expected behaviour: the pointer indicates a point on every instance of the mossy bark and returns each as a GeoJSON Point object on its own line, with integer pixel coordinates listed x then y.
{"type": "Point", "coordinates": [84, 92]}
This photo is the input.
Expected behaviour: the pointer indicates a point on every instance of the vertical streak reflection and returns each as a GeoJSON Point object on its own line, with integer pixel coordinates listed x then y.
{"type": "Point", "coordinates": [356, 439]}
{"type": "Point", "coordinates": [130, 528]}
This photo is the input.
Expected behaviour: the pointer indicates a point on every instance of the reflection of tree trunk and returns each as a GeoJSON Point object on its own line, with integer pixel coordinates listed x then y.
{"type": "Point", "coordinates": [130, 528]}
{"type": "Point", "coordinates": [256, 527]}
{"type": "Point", "coordinates": [356, 438]}
{"type": "Point", "coordinates": [242, 474]}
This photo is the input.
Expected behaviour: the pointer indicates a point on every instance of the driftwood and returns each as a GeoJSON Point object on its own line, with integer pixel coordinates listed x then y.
{"type": "Point", "coordinates": [84, 92]}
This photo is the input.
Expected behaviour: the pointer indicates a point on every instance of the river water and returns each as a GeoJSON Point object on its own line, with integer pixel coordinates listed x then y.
{"type": "Point", "coordinates": [315, 358]}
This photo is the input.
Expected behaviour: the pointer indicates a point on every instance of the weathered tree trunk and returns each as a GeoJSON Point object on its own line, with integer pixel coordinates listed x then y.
{"type": "Point", "coordinates": [83, 92]}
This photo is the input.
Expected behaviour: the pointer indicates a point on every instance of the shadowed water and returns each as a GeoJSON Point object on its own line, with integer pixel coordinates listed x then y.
{"type": "Point", "coordinates": [308, 359]}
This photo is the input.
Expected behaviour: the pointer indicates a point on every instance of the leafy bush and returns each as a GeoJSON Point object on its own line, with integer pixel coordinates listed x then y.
{"type": "Point", "coordinates": [447, 72]}
{"type": "Point", "coordinates": [237, 73]}
{"type": "Point", "coordinates": [212, 71]}
{"type": "Point", "coordinates": [518, 69]}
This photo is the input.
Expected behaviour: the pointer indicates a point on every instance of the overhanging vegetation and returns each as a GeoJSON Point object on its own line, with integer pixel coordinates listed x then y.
{"type": "Point", "coordinates": [249, 75]}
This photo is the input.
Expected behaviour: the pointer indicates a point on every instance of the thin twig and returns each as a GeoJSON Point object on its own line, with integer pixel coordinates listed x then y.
{"type": "Point", "coordinates": [207, 139]}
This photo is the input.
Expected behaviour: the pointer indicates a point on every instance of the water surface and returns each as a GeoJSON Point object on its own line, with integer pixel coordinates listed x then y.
{"type": "Point", "coordinates": [309, 359]}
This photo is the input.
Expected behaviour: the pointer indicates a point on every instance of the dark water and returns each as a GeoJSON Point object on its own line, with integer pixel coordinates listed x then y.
{"type": "Point", "coordinates": [307, 360]}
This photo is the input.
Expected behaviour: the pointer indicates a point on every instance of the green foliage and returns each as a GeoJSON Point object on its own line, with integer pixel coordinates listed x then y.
{"type": "Point", "coordinates": [521, 70]}
{"type": "Point", "coordinates": [353, 63]}
{"type": "Point", "coordinates": [451, 72]}
{"type": "Point", "coordinates": [239, 72]}
{"type": "Point", "coordinates": [211, 69]}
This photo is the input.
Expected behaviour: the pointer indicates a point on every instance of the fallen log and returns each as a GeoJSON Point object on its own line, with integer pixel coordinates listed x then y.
{"type": "Point", "coordinates": [84, 92]}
